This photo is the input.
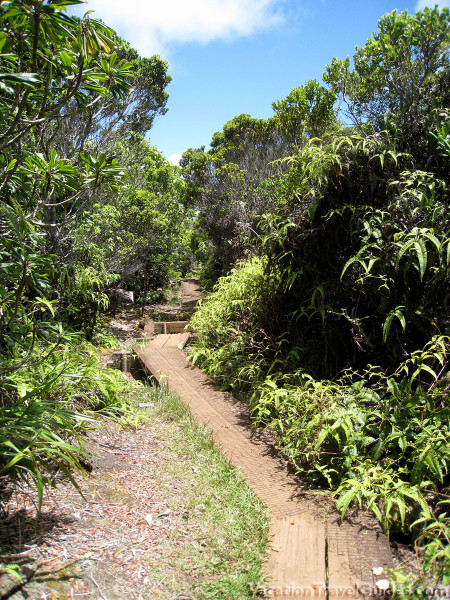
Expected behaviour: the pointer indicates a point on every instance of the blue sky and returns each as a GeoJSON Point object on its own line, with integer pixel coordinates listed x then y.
{"type": "Point", "coordinates": [228, 57]}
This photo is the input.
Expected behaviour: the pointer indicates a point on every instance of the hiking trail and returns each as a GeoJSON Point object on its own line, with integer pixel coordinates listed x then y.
{"type": "Point", "coordinates": [309, 555]}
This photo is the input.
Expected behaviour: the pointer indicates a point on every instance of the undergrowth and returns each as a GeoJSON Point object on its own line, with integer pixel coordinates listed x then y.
{"type": "Point", "coordinates": [231, 343]}
{"type": "Point", "coordinates": [379, 441]}
{"type": "Point", "coordinates": [229, 522]}
{"type": "Point", "coordinates": [47, 406]}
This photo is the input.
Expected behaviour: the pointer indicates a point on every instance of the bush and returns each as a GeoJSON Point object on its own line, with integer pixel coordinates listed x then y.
{"type": "Point", "coordinates": [232, 343]}
{"type": "Point", "coordinates": [47, 406]}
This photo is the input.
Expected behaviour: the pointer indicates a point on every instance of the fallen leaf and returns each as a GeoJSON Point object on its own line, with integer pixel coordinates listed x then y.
{"type": "Point", "coordinates": [149, 519]}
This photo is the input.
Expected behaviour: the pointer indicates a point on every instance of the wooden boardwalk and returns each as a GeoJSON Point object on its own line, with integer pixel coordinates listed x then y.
{"type": "Point", "coordinates": [309, 556]}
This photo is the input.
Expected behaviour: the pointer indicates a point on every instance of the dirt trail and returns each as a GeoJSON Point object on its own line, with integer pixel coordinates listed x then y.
{"type": "Point", "coordinates": [191, 295]}
{"type": "Point", "coordinates": [311, 555]}
{"type": "Point", "coordinates": [115, 542]}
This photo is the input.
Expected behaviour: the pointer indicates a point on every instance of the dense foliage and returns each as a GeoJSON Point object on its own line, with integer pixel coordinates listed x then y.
{"type": "Point", "coordinates": [232, 185]}
{"type": "Point", "coordinates": [338, 334]}
{"type": "Point", "coordinates": [332, 319]}
{"type": "Point", "coordinates": [83, 196]}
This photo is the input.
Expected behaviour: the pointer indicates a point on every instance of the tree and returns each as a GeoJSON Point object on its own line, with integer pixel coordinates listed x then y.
{"type": "Point", "coordinates": [51, 65]}
{"type": "Point", "coordinates": [49, 60]}
{"type": "Point", "coordinates": [54, 60]}
{"type": "Point", "coordinates": [138, 228]}
{"type": "Point", "coordinates": [81, 91]}
{"type": "Point", "coordinates": [107, 120]}
{"type": "Point", "coordinates": [400, 76]}
{"type": "Point", "coordinates": [222, 184]}
{"type": "Point", "coordinates": [306, 112]}
{"type": "Point", "coordinates": [241, 177]}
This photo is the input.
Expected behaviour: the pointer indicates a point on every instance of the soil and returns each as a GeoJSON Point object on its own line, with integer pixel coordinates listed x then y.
{"type": "Point", "coordinates": [115, 541]}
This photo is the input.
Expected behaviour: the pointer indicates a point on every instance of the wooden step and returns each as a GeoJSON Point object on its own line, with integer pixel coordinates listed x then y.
{"type": "Point", "coordinates": [170, 326]}
{"type": "Point", "coordinates": [170, 340]}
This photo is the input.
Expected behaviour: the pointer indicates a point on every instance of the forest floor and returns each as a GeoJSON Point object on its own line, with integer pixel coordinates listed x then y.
{"type": "Point", "coordinates": [92, 546]}
{"type": "Point", "coordinates": [142, 529]}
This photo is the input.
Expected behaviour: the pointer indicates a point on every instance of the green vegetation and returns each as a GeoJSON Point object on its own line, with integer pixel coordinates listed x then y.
{"type": "Point", "coordinates": [47, 406]}
{"type": "Point", "coordinates": [329, 223]}
{"type": "Point", "coordinates": [228, 522]}
{"type": "Point", "coordinates": [82, 196]}
{"type": "Point", "coordinates": [334, 326]}
{"type": "Point", "coordinates": [213, 540]}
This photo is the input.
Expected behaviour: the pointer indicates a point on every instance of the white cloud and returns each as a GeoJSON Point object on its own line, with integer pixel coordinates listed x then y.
{"type": "Point", "coordinates": [421, 4]}
{"type": "Point", "coordinates": [175, 158]}
{"type": "Point", "coordinates": [153, 25]}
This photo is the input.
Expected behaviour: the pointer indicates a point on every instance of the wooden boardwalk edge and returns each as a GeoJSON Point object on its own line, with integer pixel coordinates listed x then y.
{"type": "Point", "coordinates": [308, 557]}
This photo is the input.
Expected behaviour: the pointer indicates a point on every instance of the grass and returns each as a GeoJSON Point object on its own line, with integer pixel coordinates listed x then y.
{"type": "Point", "coordinates": [174, 294]}
{"type": "Point", "coordinates": [225, 523]}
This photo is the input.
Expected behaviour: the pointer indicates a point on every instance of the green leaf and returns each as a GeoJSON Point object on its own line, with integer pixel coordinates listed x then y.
{"type": "Point", "coordinates": [66, 58]}
{"type": "Point", "coordinates": [422, 256]}
{"type": "Point", "coordinates": [349, 263]}
{"type": "Point", "coordinates": [403, 250]}
{"type": "Point", "coordinates": [47, 304]}
{"type": "Point", "coordinates": [433, 239]}
{"type": "Point", "coordinates": [424, 368]}
{"type": "Point", "coordinates": [373, 506]}
{"type": "Point", "coordinates": [393, 388]}
{"type": "Point", "coordinates": [65, 3]}
{"type": "Point", "coordinates": [345, 499]}
{"type": "Point", "coordinates": [323, 434]}
{"type": "Point", "coordinates": [378, 449]}
{"type": "Point", "coordinates": [433, 463]}
{"type": "Point", "coordinates": [3, 39]}
{"type": "Point", "coordinates": [387, 324]}
{"type": "Point", "coordinates": [28, 79]}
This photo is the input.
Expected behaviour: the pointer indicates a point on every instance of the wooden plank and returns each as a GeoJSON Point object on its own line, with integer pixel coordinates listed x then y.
{"type": "Point", "coordinates": [353, 556]}
{"type": "Point", "coordinates": [170, 326]}
{"type": "Point", "coordinates": [158, 327]}
{"type": "Point", "coordinates": [160, 340]}
{"type": "Point", "coordinates": [296, 562]}
{"type": "Point", "coordinates": [184, 340]}
{"type": "Point", "coordinates": [176, 326]}
{"type": "Point", "coordinates": [340, 578]}
{"type": "Point", "coordinates": [177, 340]}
